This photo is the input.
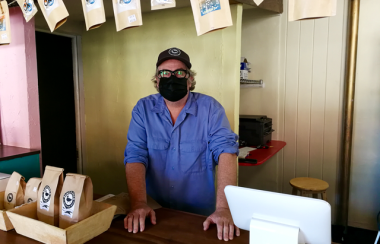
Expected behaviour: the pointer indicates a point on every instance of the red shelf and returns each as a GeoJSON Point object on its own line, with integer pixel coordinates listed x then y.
{"type": "Point", "coordinates": [262, 155]}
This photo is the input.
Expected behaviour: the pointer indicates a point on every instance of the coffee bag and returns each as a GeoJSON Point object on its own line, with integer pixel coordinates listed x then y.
{"type": "Point", "coordinates": [14, 193]}
{"type": "Point", "coordinates": [55, 13]}
{"type": "Point", "coordinates": [210, 15]}
{"type": "Point", "coordinates": [5, 25]}
{"type": "Point", "coordinates": [162, 4]}
{"type": "Point", "coordinates": [306, 9]}
{"type": "Point", "coordinates": [94, 14]}
{"type": "Point", "coordinates": [31, 191]}
{"type": "Point", "coordinates": [48, 195]}
{"type": "Point", "coordinates": [127, 13]}
{"type": "Point", "coordinates": [76, 200]}
{"type": "Point", "coordinates": [29, 9]}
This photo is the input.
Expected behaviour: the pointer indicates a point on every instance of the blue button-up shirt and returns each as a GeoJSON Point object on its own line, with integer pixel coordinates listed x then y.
{"type": "Point", "coordinates": [180, 159]}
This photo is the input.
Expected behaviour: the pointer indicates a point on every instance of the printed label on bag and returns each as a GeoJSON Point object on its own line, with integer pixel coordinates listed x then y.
{"type": "Point", "coordinates": [4, 36]}
{"type": "Point", "coordinates": [132, 18]}
{"type": "Point", "coordinates": [68, 204]}
{"type": "Point", "coordinates": [3, 25]}
{"type": "Point", "coordinates": [50, 5]}
{"type": "Point", "coordinates": [208, 6]}
{"type": "Point", "coordinates": [92, 4]}
{"type": "Point", "coordinates": [160, 2]}
{"type": "Point", "coordinates": [45, 198]}
{"type": "Point", "coordinates": [28, 7]}
{"type": "Point", "coordinates": [124, 5]}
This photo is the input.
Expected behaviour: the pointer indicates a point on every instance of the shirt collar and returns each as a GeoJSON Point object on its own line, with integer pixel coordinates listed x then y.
{"type": "Point", "coordinates": [191, 106]}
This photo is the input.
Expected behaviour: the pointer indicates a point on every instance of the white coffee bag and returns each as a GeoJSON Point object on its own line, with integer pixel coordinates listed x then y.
{"type": "Point", "coordinates": [28, 8]}
{"type": "Point", "coordinates": [94, 14]}
{"type": "Point", "coordinates": [5, 24]}
{"type": "Point", "coordinates": [210, 15]}
{"type": "Point", "coordinates": [127, 14]}
{"type": "Point", "coordinates": [55, 13]}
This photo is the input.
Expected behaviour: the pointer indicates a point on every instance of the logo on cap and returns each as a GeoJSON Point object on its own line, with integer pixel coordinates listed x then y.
{"type": "Point", "coordinates": [174, 52]}
{"type": "Point", "coordinates": [10, 197]}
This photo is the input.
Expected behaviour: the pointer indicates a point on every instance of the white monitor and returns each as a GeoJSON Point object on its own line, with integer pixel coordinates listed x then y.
{"type": "Point", "coordinates": [279, 218]}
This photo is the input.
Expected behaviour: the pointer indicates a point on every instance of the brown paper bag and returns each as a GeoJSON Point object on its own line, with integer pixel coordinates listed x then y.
{"type": "Point", "coordinates": [55, 13]}
{"type": "Point", "coordinates": [76, 200]}
{"type": "Point", "coordinates": [94, 14]}
{"type": "Point", "coordinates": [307, 9]}
{"type": "Point", "coordinates": [162, 4]}
{"type": "Point", "coordinates": [29, 9]}
{"type": "Point", "coordinates": [210, 15]}
{"type": "Point", "coordinates": [14, 193]}
{"type": "Point", "coordinates": [48, 195]}
{"type": "Point", "coordinates": [31, 190]}
{"type": "Point", "coordinates": [5, 24]}
{"type": "Point", "coordinates": [127, 13]}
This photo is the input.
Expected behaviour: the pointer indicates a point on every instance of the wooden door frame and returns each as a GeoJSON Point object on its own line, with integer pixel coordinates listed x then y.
{"type": "Point", "coordinates": [80, 125]}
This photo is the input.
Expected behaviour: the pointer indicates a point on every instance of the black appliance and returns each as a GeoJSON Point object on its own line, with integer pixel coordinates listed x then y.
{"type": "Point", "coordinates": [255, 130]}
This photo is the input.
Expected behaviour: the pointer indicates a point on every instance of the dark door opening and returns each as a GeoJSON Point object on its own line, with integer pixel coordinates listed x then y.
{"type": "Point", "coordinates": [57, 101]}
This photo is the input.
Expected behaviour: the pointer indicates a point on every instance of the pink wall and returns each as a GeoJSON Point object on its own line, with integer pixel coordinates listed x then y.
{"type": "Point", "coordinates": [19, 109]}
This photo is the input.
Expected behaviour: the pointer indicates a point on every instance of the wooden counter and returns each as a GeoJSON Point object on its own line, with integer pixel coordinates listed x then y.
{"type": "Point", "coordinates": [172, 227]}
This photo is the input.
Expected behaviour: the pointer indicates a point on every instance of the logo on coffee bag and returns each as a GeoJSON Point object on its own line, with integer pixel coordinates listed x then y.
{"type": "Point", "coordinates": [45, 198]}
{"type": "Point", "coordinates": [3, 26]}
{"type": "Point", "coordinates": [208, 6]}
{"type": "Point", "coordinates": [10, 197]}
{"type": "Point", "coordinates": [48, 3]}
{"type": "Point", "coordinates": [124, 1]}
{"type": "Point", "coordinates": [28, 7]}
{"type": "Point", "coordinates": [30, 200]}
{"type": "Point", "coordinates": [90, 2]}
{"type": "Point", "coordinates": [68, 203]}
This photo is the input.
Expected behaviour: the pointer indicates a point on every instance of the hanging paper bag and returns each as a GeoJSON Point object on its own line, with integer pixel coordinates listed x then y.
{"type": "Point", "coordinates": [5, 25]}
{"type": "Point", "coordinates": [306, 9]}
{"type": "Point", "coordinates": [162, 4]}
{"type": "Point", "coordinates": [48, 196]}
{"type": "Point", "coordinates": [210, 15]}
{"type": "Point", "coordinates": [127, 14]}
{"type": "Point", "coordinates": [55, 13]}
{"type": "Point", "coordinates": [94, 14]}
{"type": "Point", "coordinates": [15, 191]}
{"type": "Point", "coordinates": [76, 200]}
{"type": "Point", "coordinates": [29, 9]}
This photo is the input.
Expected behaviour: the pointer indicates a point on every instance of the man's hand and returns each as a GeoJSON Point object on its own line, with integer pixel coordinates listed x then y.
{"type": "Point", "coordinates": [224, 224]}
{"type": "Point", "coordinates": [137, 216]}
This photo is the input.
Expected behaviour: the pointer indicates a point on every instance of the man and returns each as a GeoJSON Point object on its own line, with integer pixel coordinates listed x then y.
{"type": "Point", "coordinates": [175, 140]}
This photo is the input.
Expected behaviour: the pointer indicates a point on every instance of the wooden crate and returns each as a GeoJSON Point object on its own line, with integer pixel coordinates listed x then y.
{"type": "Point", "coordinates": [5, 223]}
{"type": "Point", "coordinates": [25, 222]}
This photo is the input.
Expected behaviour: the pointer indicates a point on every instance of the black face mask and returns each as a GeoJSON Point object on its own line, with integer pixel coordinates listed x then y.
{"type": "Point", "coordinates": [173, 88]}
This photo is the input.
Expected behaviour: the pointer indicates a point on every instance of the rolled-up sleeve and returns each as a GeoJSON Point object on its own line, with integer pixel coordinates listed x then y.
{"type": "Point", "coordinates": [221, 138]}
{"type": "Point", "coordinates": [136, 150]}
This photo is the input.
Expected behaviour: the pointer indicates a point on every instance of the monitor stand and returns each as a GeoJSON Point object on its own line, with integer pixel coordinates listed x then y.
{"type": "Point", "coordinates": [268, 232]}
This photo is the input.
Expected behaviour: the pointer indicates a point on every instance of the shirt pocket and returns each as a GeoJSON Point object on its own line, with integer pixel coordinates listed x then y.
{"type": "Point", "coordinates": [157, 150]}
{"type": "Point", "coordinates": [193, 156]}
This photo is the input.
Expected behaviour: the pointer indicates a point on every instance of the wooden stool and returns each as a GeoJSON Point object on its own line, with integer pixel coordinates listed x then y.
{"type": "Point", "coordinates": [309, 186]}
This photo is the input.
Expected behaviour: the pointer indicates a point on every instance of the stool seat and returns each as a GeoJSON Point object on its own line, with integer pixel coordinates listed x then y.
{"type": "Point", "coordinates": [308, 185]}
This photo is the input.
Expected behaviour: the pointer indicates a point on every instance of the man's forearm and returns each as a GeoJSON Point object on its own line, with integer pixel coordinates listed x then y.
{"type": "Point", "coordinates": [227, 175]}
{"type": "Point", "coordinates": [135, 173]}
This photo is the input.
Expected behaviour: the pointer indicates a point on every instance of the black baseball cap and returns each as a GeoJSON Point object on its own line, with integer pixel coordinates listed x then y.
{"type": "Point", "coordinates": [174, 53]}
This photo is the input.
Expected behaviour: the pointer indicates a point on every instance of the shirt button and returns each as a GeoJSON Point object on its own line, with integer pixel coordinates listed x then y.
{"type": "Point", "coordinates": [172, 168]}
{"type": "Point", "coordinates": [174, 148]}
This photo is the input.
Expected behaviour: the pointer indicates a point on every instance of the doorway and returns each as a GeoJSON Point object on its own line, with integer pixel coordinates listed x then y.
{"type": "Point", "coordinates": [56, 88]}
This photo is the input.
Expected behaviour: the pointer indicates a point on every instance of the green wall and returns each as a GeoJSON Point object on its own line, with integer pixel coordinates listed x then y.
{"type": "Point", "coordinates": [117, 69]}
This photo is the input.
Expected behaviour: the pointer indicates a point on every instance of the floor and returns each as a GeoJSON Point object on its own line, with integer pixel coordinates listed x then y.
{"type": "Point", "coordinates": [354, 235]}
